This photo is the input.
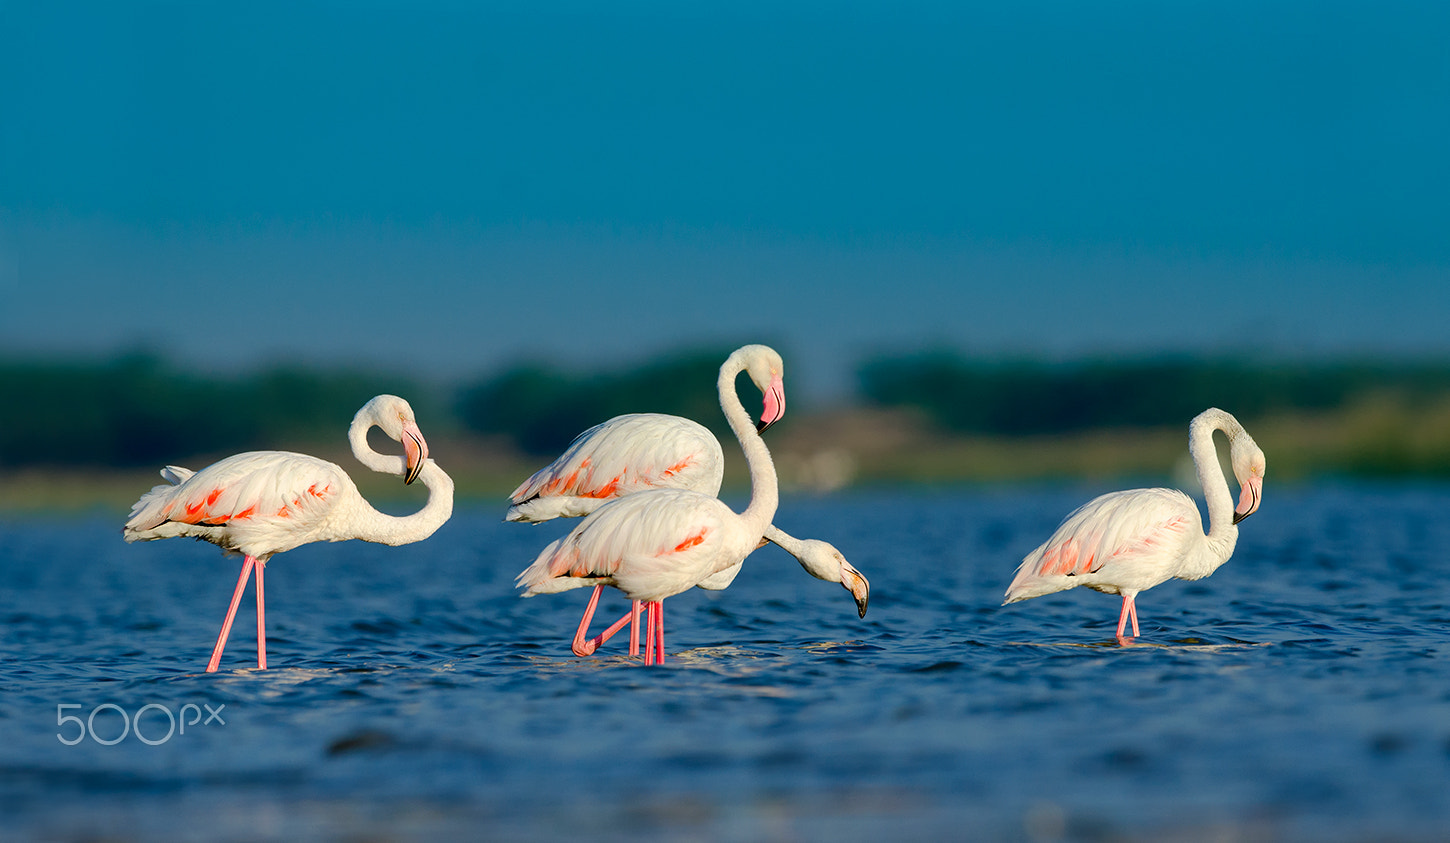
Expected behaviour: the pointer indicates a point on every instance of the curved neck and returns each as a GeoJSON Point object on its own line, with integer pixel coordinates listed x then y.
{"type": "Point", "coordinates": [764, 494]}
{"type": "Point", "coordinates": [390, 529]}
{"type": "Point", "coordinates": [1221, 529]}
{"type": "Point", "coordinates": [357, 436]}
{"type": "Point", "coordinates": [375, 526]}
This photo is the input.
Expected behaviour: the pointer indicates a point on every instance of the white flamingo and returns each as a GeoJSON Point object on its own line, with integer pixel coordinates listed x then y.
{"type": "Point", "coordinates": [639, 451]}
{"type": "Point", "coordinates": [262, 503]}
{"type": "Point", "coordinates": [1127, 542]}
{"type": "Point", "coordinates": [661, 541]}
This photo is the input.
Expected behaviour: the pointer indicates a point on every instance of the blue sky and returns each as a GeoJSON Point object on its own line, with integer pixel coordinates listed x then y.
{"type": "Point", "coordinates": [444, 188]}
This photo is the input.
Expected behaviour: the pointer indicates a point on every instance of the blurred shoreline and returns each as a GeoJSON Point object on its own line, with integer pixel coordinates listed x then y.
{"type": "Point", "coordinates": [834, 451]}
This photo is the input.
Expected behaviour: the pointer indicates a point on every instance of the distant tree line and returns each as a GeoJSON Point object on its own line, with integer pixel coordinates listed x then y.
{"type": "Point", "coordinates": [1023, 397]}
{"type": "Point", "coordinates": [542, 408]}
{"type": "Point", "coordinates": [138, 411]}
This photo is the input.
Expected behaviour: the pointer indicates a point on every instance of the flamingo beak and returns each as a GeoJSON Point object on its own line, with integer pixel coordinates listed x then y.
{"type": "Point", "coordinates": [415, 452]}
{"type": "Point", "coordinates": [1249, 498]}
{"type": "Point", "coordinates": [774, 405]}
{"type": "Point", "coordinates": [857, 585]}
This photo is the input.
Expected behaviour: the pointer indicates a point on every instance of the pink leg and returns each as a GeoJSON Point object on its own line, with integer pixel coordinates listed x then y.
{"type": "Point", "coordinates": [582, 647]}
{"type": "Point", "coordinates": [1130, 610]}
{"type": "Point", "coordinates": [654, 643]}
{"type": "Point", "coordinates": [221, 639]}
{"type": "Point", "coordinates": [585, 648]}
{"type": "Point", "coordinates": [649, 633]}
{"type": "Point", "coordinates": [634, 629]}
{"type": "Point", "coordinates": [261, 619]}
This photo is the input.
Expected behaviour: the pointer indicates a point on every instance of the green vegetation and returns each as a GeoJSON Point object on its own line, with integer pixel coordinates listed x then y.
{"type": "Point", "coordinates": [1016, 398]}
{"type": "Point", "coordinates": [541, 409]}
{"type": "Point", "coordinates": [90, 433]}
{"type": "Point", "coordinates": [135, 411]}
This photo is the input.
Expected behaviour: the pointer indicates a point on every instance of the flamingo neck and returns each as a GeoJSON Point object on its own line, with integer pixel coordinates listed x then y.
{"type": "Point", "coordinates": [374, 526]}
{"type": "Point", "coordinates": [818, 565]}
{"type": "Point", "coordinates": [357, 436]}
{"type": "Point", "coordinates": [380, 527]}
{"type": "Point", "coordinates": [764, 493]}
{"type": "Point", "coordinates": [1222, 533]}
{"type": "Point", "coordinates": [785, 541]}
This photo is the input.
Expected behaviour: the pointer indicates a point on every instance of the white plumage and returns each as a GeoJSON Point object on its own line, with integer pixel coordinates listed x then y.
{"type": "Point", "coordinates": [1127, 542]}
{"type": "Point", "coordinates": [263, 503]}
{"type": "Point", "coordinates": [648, 545]}
{"type": "Point", "coordinates": [657, 542]}
{"type": "Point", "coordinates": [619, 457]}
{"type": "Point", "coordinates": [259, 503]}
{"type": "Point", "coordinates": [641, 451]}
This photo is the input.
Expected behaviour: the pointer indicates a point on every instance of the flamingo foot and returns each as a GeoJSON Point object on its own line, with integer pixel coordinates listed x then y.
{"type": "Point", "coordinates": [583, 647]}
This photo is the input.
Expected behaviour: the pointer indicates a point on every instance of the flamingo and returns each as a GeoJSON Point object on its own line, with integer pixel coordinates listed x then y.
{"type": "Point", "coordinates": [640, 451]}
{"type": "Point", "coordinates": [262, 503]}
{"type": "Point", "coordinates": [658, 542]}
{"type": "Point", "coordinates": [1127, 542]}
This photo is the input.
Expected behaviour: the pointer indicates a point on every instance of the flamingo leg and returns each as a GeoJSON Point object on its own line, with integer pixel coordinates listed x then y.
{"type": "Point", "coordinates": [1130, 610]}
{"type": "Point", "coordinates": [649, 633]}
{"type": "Point", "coordinates": [654, 643]}
{"type": "Point", "coordinates": [261, 619]}
{"type": "Point", "coordinates": [221, 640]}
{"type": "Point", "coordinates": [634, 629]}
{"type": "Point", "coordinates": [583, 647]}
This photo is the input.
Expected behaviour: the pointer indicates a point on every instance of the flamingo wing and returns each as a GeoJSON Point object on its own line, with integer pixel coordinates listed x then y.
{"type": "Point", "coordinates": [1114, 527]}
{"type": "Point", "coordinates": [624, 455]}
{"type": "Point", "coordinates": [250, 487]}
{"type": "Point", "coordinates": [650, 545]}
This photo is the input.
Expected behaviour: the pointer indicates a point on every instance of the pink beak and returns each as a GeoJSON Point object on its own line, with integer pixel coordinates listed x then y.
{"type": "Point", "coordinates": [415, 452]}
{"type": "Point", "coordinates": [1249, 497]}
{"type": "Point", "coordinates": [774, 405]}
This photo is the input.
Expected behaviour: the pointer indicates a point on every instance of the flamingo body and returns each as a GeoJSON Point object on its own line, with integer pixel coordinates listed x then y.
{"type": "Point", "coordinates": [649, 545]}
{"type": "Point", "coordinates": [643, 451]}
{"type": "Point", "coordinates": [262, 503]}
{"type": "Point", "coordinates": [1122, 540]}
{"type": "Point", "coordinates": [1127, 542]}
{"type": "Point", "coordinates": [655, 543]}
{"type": "Point", "coordinates": [259, 504]}
{"type": "Point", "coordinates": [627, 454]}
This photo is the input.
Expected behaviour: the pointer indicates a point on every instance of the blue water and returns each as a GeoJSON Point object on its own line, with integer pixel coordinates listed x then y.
{"type": "Point", "coordinates": [1301, 693]}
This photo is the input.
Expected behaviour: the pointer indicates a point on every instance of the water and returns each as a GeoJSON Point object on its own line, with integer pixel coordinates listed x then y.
{"type": "Point", "coordinates": [1301, 693]}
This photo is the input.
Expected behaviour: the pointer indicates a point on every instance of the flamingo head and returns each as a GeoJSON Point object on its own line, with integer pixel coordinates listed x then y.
{"type": "Point", "coordinates": [1248, 466]}
{"type": "Point", "coordinates": [767, 371]}
{"type": "Point", "coordinates": [395, 417]}
{"type": "Point", "coordinates": [824, 562]}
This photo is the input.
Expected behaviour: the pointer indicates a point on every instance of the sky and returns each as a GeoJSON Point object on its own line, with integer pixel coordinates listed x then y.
{"type": "Point", "coordinates": [449, 188]}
